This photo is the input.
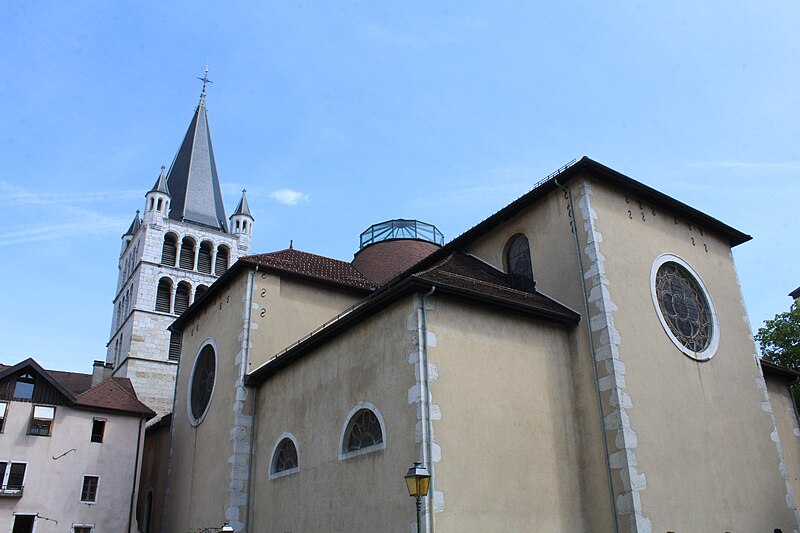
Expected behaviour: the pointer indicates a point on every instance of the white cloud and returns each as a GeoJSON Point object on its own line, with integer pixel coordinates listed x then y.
{"type": "Point", "coordinates": [289, 197]}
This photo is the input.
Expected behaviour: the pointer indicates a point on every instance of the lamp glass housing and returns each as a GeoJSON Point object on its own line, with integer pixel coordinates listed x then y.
{"type": "Point", "coordinates": [418, 481]}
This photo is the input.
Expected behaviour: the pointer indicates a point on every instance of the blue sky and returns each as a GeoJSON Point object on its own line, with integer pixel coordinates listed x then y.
{"type": "Point", "coordinates": [335, 116]}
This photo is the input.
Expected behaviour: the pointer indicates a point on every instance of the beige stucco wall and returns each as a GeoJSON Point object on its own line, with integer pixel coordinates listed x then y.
{"type": "Point", "coordinates": [508, 430]}
{"type": "Point", "coordinates": [288, 310]}
{"type": "Point", "coordinates": [200, 471]}
{"type": "Point", "coordinates": [547, 226]}
{"type": "Point", "coordinates": [783, 410]}
{"type": "Point", "coordinates": [311, 399]}
{"type": "Point", "coordinates": [52, 487]}
{"type": "Point", "coordinates": [155, 461]}
{"type": "Point", "coordinates": [702, 440]}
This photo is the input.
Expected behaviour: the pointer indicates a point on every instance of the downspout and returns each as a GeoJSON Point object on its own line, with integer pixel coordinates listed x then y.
{"type": "Point", "coordinates": [574, 229]}
{"type": "Point", "coordinates": [135, 474]}
{"type": "Point", "coordinates": [425, 408]}
{"type": "Point", "coordinates": [245, 363]}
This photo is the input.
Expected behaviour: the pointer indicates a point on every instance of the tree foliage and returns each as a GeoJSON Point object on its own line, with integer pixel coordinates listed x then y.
{"type": "Point", "coordinates": [779, 339]}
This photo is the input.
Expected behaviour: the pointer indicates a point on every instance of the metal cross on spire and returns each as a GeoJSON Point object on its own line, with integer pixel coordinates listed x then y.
{"type": "Point", "coordinates": [205, 81]}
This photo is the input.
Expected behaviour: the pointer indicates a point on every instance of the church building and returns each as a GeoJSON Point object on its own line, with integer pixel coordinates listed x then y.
{"type": "Point", "coordinates": [169, 258]}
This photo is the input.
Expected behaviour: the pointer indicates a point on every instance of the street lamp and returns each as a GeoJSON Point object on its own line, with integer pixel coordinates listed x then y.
{"type": "Point", "coordinates": [418, 479]}
{"type": "Point", "coordinates": [226, 528]}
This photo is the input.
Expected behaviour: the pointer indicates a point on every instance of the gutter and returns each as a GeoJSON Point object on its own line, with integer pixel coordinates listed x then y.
{"type": "Point", "coordinates": [574, 231]}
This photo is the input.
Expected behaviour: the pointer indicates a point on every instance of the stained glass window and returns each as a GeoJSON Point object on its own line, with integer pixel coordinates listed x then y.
{"type": "Point", "coordinates": [202, 381]}
{"type": "Point", "coordinates": [364, 431]}
{"type": "Point", "coordinates": [684, 306]}
{"type": "Point", "coordinates": [520, 269]}
{"type": "Point", "coordinates": [285, 457]}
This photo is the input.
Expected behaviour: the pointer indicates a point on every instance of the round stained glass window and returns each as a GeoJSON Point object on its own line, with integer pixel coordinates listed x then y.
{"type": "Point", "coordinates": [684, 307]}
{"type": "Point", "coordinates": [202, 384]}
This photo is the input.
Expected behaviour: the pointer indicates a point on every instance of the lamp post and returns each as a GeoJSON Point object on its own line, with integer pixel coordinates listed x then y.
{"type": "Point", "coordinates": [418, 480]}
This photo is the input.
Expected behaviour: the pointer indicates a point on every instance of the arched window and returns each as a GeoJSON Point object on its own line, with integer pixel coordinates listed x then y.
{"type": "Point", "coordinates": [222, 260]}
{"type": "Point", "coordinates": [363, 432]}
{"type": "Point", "coordinates": [187, 253]}
{"type": "Point", "coordinates": [158, 208]}
{"type": "Point", "coordinates": [284, 458]}
{"type": "Point", "coordinates": [201, 386]}
{"type": "Point", "coordinates": [518, 260]}
{"type": "Point", "coordinates": [169, 250]}
{"type": "Point", "coordinates": [163, 295]}
{"type": "Point", "coordinates": [182, 297]}
{"type": "Point", "coordinates": [204, 258]}
{"type": "Point", "coordinates": [199, 292]}
{"type": "Point", "coordinates": [174, 346]}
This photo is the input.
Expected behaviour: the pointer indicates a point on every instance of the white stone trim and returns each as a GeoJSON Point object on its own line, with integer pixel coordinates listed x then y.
{"type": "Point", "coordinates": [709, 352]}
{"type": "Point", "coordinates": [343, 455]}
{"type": "Point", "coordinates": [275, 475]}
{"type": "Point", "coordinates": [192, 420]}
{"type": "Point", "coordinates": [611, 376]}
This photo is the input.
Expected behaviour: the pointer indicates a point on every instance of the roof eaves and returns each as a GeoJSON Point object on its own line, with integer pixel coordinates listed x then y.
{"type": "Point", "coordinates": [787, 374]}
{"type": "Point", "coordinates": [795, 293]}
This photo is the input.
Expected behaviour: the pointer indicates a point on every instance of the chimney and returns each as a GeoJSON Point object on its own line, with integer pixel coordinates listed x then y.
{"type": "Point", "coordinates": [101, 371]}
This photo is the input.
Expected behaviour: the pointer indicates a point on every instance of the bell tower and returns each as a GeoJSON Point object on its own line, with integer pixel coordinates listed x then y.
{"type": "Point", "coordinates": [168, 260]}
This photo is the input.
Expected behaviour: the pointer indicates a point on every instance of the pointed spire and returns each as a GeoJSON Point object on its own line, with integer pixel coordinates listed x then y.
{"type": "Point", "coordinates": [137, 222]}
{"type": "Point", "coordinates": [161, 182]}
{"type": "Point", "coordinates": [192, 179]}
{"type": "Point", "coordinates": [243, 208]}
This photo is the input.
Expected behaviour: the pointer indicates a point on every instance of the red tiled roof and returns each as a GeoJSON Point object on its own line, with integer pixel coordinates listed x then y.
{"type": "Point", "coordinates": [313, 266]}
{"type": "Point", "coordinates": [385, 260]}
{"type": "Point", "coordinates": [115, 394]}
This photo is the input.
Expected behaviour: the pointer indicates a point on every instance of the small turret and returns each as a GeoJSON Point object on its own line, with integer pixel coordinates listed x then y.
{"type": "Point", "coordinates": [157, 200]}
{"type": "Point", "coordinates": [242, 223]}
{"type": "Point", "coordinates": [128, 236]}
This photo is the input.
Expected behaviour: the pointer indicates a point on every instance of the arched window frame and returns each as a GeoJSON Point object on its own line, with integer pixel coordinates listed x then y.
{"type": "Point", "coordinates": [184, 250]}
{"type": "Point", "coordinates": [223, 255]}
{"type": "Point", "coordinates": [192, 420]}
{"type": "Point", "coordinates": [170, 297]}
{"type": "Point", "coordinates": [273, 457]}
{"type": "Point", "coordinates": [348, 422]}
{"type": "Point", "coordinates": [205, 257]}
{"type": "Point", "coordinates": [518, 281]}
{"type": "Point", "coordinates": [175, 243]}
{"type": "Point", "coordinates": [182, 283]}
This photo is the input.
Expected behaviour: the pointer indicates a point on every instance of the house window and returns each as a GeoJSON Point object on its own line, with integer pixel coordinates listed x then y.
{"type": "Point", "coordinates": [518, 261]}
{"type": "Point", "coordinates": [284, 458]}
{"type": "Point", "coordinates": [23, 390]}
{"type": "Point", "coordinates": [89, 490]}
{"type": "Point", "coordinates": [12, 478]}
{"type": "Point", "coordinates": [3, 409]}
{"type": "Point", "coordinates": [42, 420]}
{"type": "Point", "coordinates": [98, 428]}
{"type": "Point", "coordinates": [82, 529]}
{"type": "Point", "coordinates": [363, 433]}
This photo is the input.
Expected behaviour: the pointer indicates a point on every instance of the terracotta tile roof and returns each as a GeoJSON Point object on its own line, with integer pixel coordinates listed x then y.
{"type": "Point", "coordinates": [313, 266]}
{"type": "Point", "coordinates": [385, 260]}
{"type": "Point", "coordinates": [469, 274]}
{"type": "Point", "coordinates": [115, 394]}
{"type": "Point", "coordinates": [74, 382]}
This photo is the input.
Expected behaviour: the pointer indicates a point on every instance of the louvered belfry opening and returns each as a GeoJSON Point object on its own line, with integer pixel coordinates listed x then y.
{"type": "Point", "coordinates": [163, 295]}
{"type": "Point", "coordinates": [187, 254]}
{"type": "Point", "coordinates": [182, 297]}
{"type": "Point", "coordinates": [169, 250]}
{"type": "Point", "coordinates": [174, 346]}
{"type": "Point", "coordinates": [199, 292]}
{"type": "Point", "coordinates": [222, 261]}
{"type": "Point", "coordinates": [204, 257]}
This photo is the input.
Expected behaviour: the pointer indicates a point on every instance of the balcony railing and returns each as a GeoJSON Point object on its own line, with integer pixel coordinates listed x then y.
{"type": "Point", "coordinates": [11, 491]}
{"type": "Point", "coordinates": [401, 229]}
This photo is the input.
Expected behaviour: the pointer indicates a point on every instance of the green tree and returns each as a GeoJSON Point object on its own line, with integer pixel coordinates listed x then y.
{"type": "Point", "coordinates": [779, 339]}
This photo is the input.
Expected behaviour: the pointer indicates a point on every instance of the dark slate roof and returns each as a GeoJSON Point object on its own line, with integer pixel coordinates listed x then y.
{"type": "Point", "coordinates": [795, 293]}
{"type": "Point", "coordinates": [778, 371]}
{"type": "Point", "coordinates": [113, 394]}
{"type": "Point", "coordinates": [135, 225]}
{"type": "Point", "coordinates": [312, 266]}
{"type": "Point", "coordinates": [384, 260]}
{"type": "Point", "coordinates": [161, 183]}
{"type": "Point", "coordinates": [192, 179]}
{"type": "Point", "coordinates": [243, 208]}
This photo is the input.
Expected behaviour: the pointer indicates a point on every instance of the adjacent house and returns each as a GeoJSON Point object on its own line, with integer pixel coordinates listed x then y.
{"type": "Point", "coordinates": [70, 450]}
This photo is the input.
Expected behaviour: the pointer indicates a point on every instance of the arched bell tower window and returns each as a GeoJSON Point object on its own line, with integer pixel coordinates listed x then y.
{"type": "Point", "coordinates": [169, 250]}
{"type": "Point", "coordinates": [163, 295]}
{"type": "Point", "coordinates": [182, 297]}
{"type": "Point", "coordinates": [518, 262]}
{"type": "Point", "coordinates": [199, 292]}
{"type": "Point", "coordinates": [223, 254]}
{"type": "Point", "coordinates": [204, 257]}
{"type": "Point", "coordinates": [187, 253]}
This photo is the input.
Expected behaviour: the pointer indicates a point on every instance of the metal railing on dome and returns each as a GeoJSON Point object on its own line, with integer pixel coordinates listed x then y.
{"type": "Point", "coordinates": [401, 229]}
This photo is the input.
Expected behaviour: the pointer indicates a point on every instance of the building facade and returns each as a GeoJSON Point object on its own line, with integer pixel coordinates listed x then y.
{"type": "Point", "coordinates": [70, 450]}
{"type": "Point", "coordinates": [579, 361]}
{"type": "Point", "coordinates": [169, 258]}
